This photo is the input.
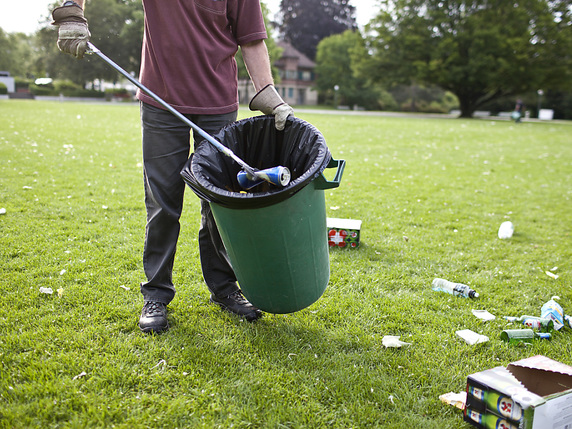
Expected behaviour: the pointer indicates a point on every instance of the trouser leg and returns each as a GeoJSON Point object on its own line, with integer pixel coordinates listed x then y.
{"type": "Point", "coordinates": [166, 145]}
{"type": "Point", "coordinates": [217, 271]}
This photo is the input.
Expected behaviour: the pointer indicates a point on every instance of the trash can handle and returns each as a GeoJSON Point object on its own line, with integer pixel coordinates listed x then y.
{"type": "Point", "coordinates": [323, 183]}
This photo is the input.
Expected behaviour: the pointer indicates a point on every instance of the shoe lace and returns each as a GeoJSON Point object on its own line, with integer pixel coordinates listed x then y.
{"type": "Point", "coordinates": [238, 297]}
{"type": "Point", "coordinates": [153, 307]}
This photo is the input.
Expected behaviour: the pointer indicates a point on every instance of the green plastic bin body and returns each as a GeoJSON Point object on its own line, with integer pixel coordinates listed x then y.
{"type": "Point", "coordinates": [280, 253]}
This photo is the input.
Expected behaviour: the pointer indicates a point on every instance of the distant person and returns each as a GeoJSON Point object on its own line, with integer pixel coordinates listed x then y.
{"type": "Point", "coordinates": [518, 111]}
{"type": "Point", "coordinates": [187, 60]}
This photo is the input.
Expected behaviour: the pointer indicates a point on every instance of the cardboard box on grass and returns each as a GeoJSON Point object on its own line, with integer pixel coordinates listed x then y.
{"type": "Point", "coordinates": [537, 391]}
{"type": "Point", "coordinates": [343, 232]}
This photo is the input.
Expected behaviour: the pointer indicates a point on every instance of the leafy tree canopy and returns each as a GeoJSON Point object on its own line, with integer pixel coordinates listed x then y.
{"type": "Point", "coordinates": [479, 50]}
{"type": "Point", "coordinates": [304, 23]}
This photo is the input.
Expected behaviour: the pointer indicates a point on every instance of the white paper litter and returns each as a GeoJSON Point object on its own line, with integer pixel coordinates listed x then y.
{"type": "Point", "coordinates": [46, 290]}
{"type": "Point", "coordinates": [456, 399]}
{"type": "Point", "coordinates": [161, 363]}
{"type": "Point", "coordinates": [80, 375]}
{"type": "Point", "coordinates": [551, 274]}
{"type": "Point", "coordinates": [471, 337]}
{"type": "Point", "coordinates": [393, 341]}
{"type": "Point", "coordinates": [483, 315]}
{"type": "Point", "coordinates": [124, 287]}
{"type": "Point", "coordinates": [2, 211]}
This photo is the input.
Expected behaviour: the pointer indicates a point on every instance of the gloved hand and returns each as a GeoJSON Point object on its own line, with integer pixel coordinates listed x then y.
{"type": "Point", "coordinates": [73, 33]}
{"type": "Point", "coordinates": [269, 102]}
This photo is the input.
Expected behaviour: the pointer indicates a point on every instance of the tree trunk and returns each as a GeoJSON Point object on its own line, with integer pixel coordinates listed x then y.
{"type": "Point", "coordinates": [467, 107]}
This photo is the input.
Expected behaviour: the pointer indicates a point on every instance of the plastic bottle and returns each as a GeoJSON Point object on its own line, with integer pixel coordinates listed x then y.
{"type": "Point", "coordinates": [506, 230]}
{"type": "Point", "coordinates": [490, 421]}
{"type": "Point", "coordinates": [457, 289]}
{"type": "Point", "coordinates": [542, 324]}
{"type": "Point", "coordinates": [554, 311]}
{"type": "Point", "coordinates": [501, 404]}
{"type": "Point", "coordinates": [515, 336]}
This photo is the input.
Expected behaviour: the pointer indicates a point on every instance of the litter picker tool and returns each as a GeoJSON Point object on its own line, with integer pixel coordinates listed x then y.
{"type": "Point", "coordinates": [249, 177]}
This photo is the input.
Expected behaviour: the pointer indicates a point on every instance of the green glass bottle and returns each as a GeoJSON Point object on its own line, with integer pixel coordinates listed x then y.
{"type": "Point", "coordinates": [543, 324]}
{"type": "Point", "coordinates": [515, 336]}
{"type": "Point", "coordinates": [490, 421]}
{"type": "Point", "coordinates": [498, 403]}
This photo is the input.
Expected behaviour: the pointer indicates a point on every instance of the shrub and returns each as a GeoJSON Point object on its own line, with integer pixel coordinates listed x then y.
{"type": "Point", "coordinates": [3, 89]}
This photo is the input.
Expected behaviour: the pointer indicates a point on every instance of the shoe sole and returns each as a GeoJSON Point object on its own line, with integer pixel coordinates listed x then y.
{"type": "Point", "coordinates": [150, 330]}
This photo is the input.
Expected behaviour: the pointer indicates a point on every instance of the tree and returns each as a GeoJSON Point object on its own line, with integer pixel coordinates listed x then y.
{"type": "Point", "coordinates": [305, 22]}
{"type": "Point", "coordinates": [116, 27]}
{"type": "Point", "coordinates": [334, 70]}
{"type": "Point", "coordinates": [16, 53]}
{"type": "Point", "coordinates": [479, 50]}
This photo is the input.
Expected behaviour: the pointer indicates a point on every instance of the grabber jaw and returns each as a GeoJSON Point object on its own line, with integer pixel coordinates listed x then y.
{"type": "Point", "coordinates": [278, 176]}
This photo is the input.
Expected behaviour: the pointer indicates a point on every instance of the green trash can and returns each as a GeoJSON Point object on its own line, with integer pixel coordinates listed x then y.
{"type": "Point", "coordinates": [276, 238]}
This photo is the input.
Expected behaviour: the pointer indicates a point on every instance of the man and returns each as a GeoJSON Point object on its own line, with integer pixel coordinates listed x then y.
{"type": "Point", "coordinates": [188, 60]}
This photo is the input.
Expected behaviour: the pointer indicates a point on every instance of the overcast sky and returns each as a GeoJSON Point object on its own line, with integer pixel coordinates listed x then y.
{"type": "Point", "coordinates": [26, 15]}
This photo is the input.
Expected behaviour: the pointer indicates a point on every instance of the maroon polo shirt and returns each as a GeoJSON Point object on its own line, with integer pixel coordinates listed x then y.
{"type": "Point", "coordinates": [188, 51]}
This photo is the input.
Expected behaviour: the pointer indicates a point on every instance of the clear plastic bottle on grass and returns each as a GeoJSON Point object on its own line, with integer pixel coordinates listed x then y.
{"type": "Point", "coordinates": [457, 289]}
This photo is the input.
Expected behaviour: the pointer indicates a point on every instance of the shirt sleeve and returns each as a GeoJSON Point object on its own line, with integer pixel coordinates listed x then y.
{"type": "Point", "coordinates": [246, 20]}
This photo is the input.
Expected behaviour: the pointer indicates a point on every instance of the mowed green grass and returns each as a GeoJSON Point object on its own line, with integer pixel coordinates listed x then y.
{"type": "Point", "coordinates": [431, 194]}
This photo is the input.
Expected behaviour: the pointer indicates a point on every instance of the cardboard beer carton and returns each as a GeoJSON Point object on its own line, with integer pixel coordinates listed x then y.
{"type": "Point", "coordinates": [343, 232]}
{"type": "Point", "coordinates": [532, 393]}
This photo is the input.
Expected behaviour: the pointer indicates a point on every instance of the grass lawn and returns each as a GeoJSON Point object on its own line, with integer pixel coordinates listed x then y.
{"type": "Point", "coordinates": [431, 194]}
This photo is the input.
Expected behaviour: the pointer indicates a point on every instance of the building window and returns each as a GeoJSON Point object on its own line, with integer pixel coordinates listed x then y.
{"type": "Point", "coordinates": [290, 92]}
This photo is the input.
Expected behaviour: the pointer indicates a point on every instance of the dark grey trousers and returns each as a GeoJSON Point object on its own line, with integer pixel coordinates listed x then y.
{"type": "Point", "coordinates": [166, 148]}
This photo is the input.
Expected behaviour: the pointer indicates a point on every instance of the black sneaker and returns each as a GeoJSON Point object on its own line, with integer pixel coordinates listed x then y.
{"type": "Point", "coordinates": [153, 317]}
{"type": "Point", "coordinates": [237, 304]}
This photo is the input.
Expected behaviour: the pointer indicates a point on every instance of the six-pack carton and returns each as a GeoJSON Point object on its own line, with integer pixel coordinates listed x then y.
{"type": "Point", "coordinates": [533, 393]}
{"type": "Point", "coordinates": [343, 232]}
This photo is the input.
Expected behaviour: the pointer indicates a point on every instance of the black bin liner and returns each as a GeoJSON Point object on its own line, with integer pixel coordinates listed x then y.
{"type": "Point", "coordinates": [300, 147]}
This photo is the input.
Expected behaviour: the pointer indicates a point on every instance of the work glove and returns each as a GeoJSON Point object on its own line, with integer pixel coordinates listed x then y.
{"type": "Point", "coordinates": [269, 102]}
{"type": "Point", "coordinates": [73, 33]}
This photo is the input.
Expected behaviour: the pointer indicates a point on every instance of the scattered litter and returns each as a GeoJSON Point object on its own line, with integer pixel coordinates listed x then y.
{"type": "Point", "coordinates": [162, 362]}
{"type": "Point", "coordinates": [46, 290]}
{"type": "Point", "coordinates": [533, 322]}
{"type": "Point", "coordinates": [551, 274]}
{"type": "Point", "coordinates": [517, 336]}
{"type": "Point", "coordinates": [455, 399]}
{"type": "Point", "coordinates": [60, 292]}
{"type": "Point", "coordinates": [124, 287]}
{"type": "Point", "coordinates": [554, 311]}
{"type": "Point", "coordinates": [2, 211]}
{"type": "Point", "coordinates": [80, 375]}
{"type": "Point", "coordinates": [391, 399]}
{"type": "Point", "coordinates": [104, 207]}
{"type": "Point", "coordinates": [291, 354]}
{"type": "Point", "coordinates": [393, 341]}
{"type": "Point", "coordinates": [62, 272]}
{"type": "Point", "coordinates": [471, 337]}
{"type": "Point", "coordinates": [335, 208]}
{"type": "Point", "coordinates": [457, 289]}
{"type": "Point", "coordinates": [529, 393]}
{"type": "Point", "coordinates": [26, 187]}
{"type": "Point", "coordinates": [483, 315]}
{"type": "Point", "coordinates": [506, 230]}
